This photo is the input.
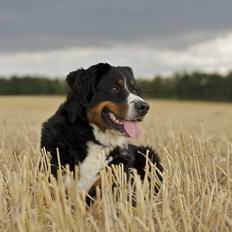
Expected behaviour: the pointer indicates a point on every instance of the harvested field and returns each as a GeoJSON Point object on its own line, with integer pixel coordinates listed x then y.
{"type": "Point", "coordinates": [194, 140]}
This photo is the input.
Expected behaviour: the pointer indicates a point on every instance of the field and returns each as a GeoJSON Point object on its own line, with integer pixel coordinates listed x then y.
{"type": "Point", "coordinates": [192, 138]}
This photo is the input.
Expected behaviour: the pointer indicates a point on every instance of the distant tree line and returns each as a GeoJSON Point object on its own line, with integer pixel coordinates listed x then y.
{"type": "Point", "coordinates": [189, 86]}
{"type": "Point", "coordinates": [29, 85]}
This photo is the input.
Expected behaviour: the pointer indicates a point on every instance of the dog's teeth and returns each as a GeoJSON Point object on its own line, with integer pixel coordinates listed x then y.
{"type": "Point", "coordinates": [112, 116]}
{"type": "Point", "coordinates": [118, 121]}
{"type": "Point", "coordinates": [114, 119]}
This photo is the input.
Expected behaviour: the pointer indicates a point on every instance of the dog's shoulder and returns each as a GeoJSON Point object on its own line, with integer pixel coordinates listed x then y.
{"type": "Point", "coordinates": [70, 138]}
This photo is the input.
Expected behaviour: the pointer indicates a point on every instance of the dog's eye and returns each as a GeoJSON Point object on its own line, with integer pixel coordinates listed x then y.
{"type": "Point", "coordinates": [115, 90]}
{"type": "Point", "coordinates": [135, 91]}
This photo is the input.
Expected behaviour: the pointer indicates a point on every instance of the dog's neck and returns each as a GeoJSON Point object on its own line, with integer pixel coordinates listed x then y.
{"type": "Point", "coordinates": [109, 138]}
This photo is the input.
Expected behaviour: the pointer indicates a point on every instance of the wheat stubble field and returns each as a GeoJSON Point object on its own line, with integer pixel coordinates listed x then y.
{"type": "Point", "coordinates": [194, 140]}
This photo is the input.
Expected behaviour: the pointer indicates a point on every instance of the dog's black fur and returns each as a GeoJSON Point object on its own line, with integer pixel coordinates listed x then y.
{"type": "Point", "coordinates": [69, 129]}
{"type": "Point", "coordinates": [133, 157]}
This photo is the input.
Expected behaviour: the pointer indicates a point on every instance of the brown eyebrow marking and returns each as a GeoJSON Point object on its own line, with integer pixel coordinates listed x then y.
{"type": "Point", "coordinates": [132, 82]}
{"type": "Point", "coordinates": [120, 82]}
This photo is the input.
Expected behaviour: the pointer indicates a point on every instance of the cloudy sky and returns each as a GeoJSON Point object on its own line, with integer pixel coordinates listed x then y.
{"type": "Point", "coordinates": [53, 37]}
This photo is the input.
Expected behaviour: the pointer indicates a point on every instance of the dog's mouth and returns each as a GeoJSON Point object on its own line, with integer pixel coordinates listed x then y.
{"type": "Point", "coordinates": [127, 128]}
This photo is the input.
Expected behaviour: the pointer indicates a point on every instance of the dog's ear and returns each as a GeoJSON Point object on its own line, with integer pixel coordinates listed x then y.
{"type": "Point", "coordinates": [72, 76]}
{"type": "Point", "coordinates": [83, 82]}
{"type": "Point", "coordinates": [126, 70]}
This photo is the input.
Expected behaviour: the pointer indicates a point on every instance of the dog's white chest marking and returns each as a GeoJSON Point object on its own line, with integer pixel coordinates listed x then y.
{"type": "Point", "coordinates": [97, 155]}
{"type": "Point", "coordinates": [92, 164]}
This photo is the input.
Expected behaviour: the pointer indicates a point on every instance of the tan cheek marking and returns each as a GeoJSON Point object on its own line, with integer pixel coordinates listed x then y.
{"type": "Point", "coordinates": [94, 114]}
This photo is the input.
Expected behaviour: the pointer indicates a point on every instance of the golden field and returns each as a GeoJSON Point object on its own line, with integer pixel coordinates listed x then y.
{"type": "Point", "coordinates": [194, 140]}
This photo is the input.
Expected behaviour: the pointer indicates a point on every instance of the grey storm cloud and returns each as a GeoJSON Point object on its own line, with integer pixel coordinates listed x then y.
{"type": "Point", "coordinates": [53, 37]}
{"type": "Point", "coordinates": [34, 25]}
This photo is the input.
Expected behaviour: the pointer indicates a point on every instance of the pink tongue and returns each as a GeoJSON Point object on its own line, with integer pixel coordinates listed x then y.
{"type": "Point", "coordinates": [132, 129]}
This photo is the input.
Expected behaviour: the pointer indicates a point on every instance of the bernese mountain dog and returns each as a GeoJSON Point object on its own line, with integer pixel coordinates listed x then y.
{"type": "Point", "coordinates": [92, 128]}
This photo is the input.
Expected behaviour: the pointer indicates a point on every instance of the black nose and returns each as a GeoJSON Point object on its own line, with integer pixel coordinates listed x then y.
{"type": "Point", "coordinates": [142, 107]}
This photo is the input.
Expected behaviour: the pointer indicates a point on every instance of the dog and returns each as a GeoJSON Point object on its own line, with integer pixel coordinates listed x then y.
{"type": "Point", "coordinates": [92, 128]}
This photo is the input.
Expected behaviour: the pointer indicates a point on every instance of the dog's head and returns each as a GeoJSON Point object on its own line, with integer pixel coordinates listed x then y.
{"type": "Point", "coordinates": [110, 98]}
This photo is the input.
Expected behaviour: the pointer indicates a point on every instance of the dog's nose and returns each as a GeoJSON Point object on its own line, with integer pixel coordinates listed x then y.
{"type": "Point", "coordinates": [142, 107]}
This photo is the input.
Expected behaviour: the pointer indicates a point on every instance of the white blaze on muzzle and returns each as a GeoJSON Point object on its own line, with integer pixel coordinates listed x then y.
{"type": "Point", "coordinates": [131, 100]}
{"type": "Point", "coordinates": [130, 125]}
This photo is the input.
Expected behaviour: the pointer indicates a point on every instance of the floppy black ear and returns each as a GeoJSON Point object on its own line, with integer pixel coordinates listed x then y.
{"type": "Point", "coordinates": [126, 70]}
{"type": "Point", "coordinates": [72, 76]}
{"type": "Point", "coordinates": [83, 82]}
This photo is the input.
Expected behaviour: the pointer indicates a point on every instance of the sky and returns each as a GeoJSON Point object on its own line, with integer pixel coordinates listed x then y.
{"type": "Point", "coordinates": [54, 37]}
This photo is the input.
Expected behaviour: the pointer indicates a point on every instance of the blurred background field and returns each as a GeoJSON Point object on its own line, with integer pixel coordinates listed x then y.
{"type": "Point", "coordinates": [192, 138]}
